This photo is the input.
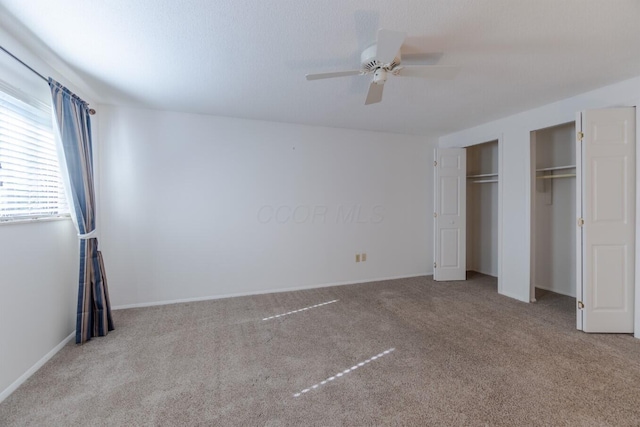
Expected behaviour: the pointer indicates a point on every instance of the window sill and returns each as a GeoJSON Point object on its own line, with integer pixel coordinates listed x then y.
{"type": "Point", "coordinates": [35, 220]}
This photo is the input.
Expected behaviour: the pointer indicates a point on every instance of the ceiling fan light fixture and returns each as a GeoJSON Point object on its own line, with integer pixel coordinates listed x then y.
{"type": "Point", "coordinates": [380, 76]}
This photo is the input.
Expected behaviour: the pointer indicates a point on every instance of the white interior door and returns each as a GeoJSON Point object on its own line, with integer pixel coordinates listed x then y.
{"type": "Point", "coordinates": [450, 216]}
{"type": "Point", "coordinates": [608, 212]}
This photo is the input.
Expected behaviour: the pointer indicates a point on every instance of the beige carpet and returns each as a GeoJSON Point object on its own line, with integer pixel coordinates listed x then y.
{"type": "Point", "coordinates": [462, 355]}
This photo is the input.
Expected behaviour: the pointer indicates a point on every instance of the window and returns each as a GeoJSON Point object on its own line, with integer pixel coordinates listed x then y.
{"type": "Point", "coordinates": [30, 183]}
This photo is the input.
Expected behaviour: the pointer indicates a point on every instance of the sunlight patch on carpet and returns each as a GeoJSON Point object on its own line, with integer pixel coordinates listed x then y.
{"type": "Point", "coordinates": [300, 310]}
{"type": "Point", "coordinates": [346, 371]}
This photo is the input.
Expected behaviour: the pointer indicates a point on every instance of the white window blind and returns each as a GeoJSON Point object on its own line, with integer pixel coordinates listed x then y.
{"type": "Point", "coordinates": [30, 182]}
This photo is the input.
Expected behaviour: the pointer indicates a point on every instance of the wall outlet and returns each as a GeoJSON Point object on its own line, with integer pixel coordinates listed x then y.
{"type": "Point", "coordinates": [357, 257]}
{"type": "Point", "coordinates": [364, 257]}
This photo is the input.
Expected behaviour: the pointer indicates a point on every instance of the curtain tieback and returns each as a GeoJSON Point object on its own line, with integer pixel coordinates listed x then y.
{"type": "Point", "coordinates": [89, 235]}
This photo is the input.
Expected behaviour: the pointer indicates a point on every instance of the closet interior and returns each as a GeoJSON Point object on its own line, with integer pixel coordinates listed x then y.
{"type": "Point", "coordinates": [553, 210]}
{"type": "Point", "coordinates": [482, 208]}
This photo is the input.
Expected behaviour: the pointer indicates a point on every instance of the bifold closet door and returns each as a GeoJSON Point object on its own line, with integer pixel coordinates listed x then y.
{"type": "Point", "coordinates": [450, 215]}
{"type": "Point", "coordinates": [607, 178]}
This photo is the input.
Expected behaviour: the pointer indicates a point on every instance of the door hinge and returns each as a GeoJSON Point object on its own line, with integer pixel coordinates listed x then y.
{"type": "Point", "coordinates": [435, 265]}
{"type": "Point", "coordinates": [435, 215]}
{"type": "Point", "coordinates": [580, 305]}
{"type": "Point", "coordinates": [580, 135]}
{"type": "Point", "coordinates": [580, 222]}
{"type": "Point", "coordinates": [435, 163]}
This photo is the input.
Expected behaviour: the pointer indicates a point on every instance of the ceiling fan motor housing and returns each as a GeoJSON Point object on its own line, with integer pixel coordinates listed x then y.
{"type": "Point", "coordinates": [371, 63]}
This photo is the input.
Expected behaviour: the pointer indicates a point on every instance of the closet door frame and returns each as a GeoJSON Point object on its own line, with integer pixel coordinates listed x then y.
{"type": "Point", "coordinates": [534, 204]}
{"type": "Point", "coordinates": [531, 210]}
{"type": "Point", "coordinates": [637, 284]}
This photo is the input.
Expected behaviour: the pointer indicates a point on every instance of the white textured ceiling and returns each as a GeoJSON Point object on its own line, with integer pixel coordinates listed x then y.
{"type": "Point", "coordinates": [248, 58]}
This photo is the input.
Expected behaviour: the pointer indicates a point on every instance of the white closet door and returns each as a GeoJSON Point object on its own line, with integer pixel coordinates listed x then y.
{"type": "Point", "coordinates": [450, 216]}
{"type": "Point", "coordinates": [608, 183]}
{"type": "Point", "coordinates": [579, 231]}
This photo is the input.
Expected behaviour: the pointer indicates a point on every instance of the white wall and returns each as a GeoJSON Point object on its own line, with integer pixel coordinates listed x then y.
{"type": "Point", "coordinates": [198, 206]}
{"type": "Point", "coordinates": [38, 291]}
{"type": "Point", "coordinates": [38, 260]}
{"type": "Point", "coordinates": [516, 173]}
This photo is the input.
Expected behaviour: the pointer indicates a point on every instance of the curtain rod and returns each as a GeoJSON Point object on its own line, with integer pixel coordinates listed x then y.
{"type": "Point", "coordinates": [91, 110]}
{"type": "Point", "coordinates": [20, 61]}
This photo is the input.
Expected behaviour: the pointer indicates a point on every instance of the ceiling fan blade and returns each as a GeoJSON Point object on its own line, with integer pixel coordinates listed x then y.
{"type": "Point", "coordinates": [430, 72]}
{"type": "Point", "coordinates": [388, 45]}
{"type": "Point", "coordinates": [375, 94]}
{"type": "Point", "coordinates": [419, 58]}
{"type": "Point", "coordinates": [331, 75]}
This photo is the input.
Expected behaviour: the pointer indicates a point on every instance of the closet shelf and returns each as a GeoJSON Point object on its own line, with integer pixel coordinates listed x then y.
{"type": "Point", "coordinates": [484, 181]}
{"type": "Point", "coordinates": [556, 168]}
{"type": "Point", "coordinates": [564, 175]}
{"type": "Point", "coordinates": [482, 175]}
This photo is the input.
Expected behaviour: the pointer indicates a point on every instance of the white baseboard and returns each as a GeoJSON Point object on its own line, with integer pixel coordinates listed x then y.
{"type": "Point", "coordinates": [270, 291]}
{"type": "Point", "coordinates": [17, 383]}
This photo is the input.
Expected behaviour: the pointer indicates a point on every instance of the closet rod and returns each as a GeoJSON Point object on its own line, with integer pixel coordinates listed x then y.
{"type": "Point", "coordinates": [556, 168]}
{"type": "Point", "coordinates": [483, 181]}
{"type": "Point", "coordinates": [20, 61]}
{"type": "Point", "coordinates": [482, 175]}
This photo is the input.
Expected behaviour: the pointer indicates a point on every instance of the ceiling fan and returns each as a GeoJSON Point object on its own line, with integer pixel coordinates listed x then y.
{"type": "Point", "coordinates": [383, 58]}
